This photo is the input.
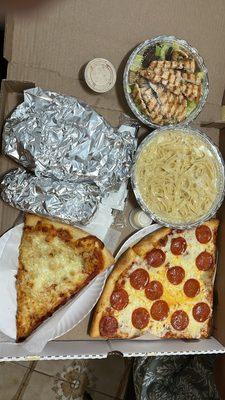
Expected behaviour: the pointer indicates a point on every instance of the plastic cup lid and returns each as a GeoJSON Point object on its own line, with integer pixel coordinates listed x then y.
{"type": "Point", "coordinates": [139, 219]}
{"type": "Point", "coordinates": [100, 75]}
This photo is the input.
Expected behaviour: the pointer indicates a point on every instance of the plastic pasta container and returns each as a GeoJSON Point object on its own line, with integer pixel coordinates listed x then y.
{"type": "Point", "coordinates": [219, 164]}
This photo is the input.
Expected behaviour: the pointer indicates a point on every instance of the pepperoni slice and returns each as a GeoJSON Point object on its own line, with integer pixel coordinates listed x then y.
{"type": "Point", "coordinates": [108, 326]}
{"type": "Point", "coordinates": [179, 320]}
{"type": "Point", "coordinates": [139, 278]}
{"type": "Point", "coordinates": [155, 257]}
{"type": "Point", "coordinates": [191, 287]}
{"type": "Point", "coordinates": [154, 290]}
{"type": "Point", "coordinates": [175, 275]}
{"type": "Point", "coordinates": [159, 310]}
{"type": "Point", "coordinates": [163, 241]}
{"type": "Point", "coordinates": [178, 246]}
{"type": "Point", "coordinates": [140, 318]}
{"type": "Point", "coordinates": [201, 312]}
{"type": "Point", "coordinates": [119, 299]}
{"type": "Point", "coordinates": [204, 261]}
{"type": "Point", "coordinates": [203, 234]}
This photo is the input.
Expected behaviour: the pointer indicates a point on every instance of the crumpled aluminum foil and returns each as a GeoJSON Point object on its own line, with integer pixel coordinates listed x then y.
{"type": "Point", "coordinates": [58, 136]}
{"type": "Point", "coordinates": [74, 157]}
{"type": "Point", "coordinates": [49, 197]}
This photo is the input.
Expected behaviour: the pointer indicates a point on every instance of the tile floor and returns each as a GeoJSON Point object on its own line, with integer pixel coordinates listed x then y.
{"type": "Point", "coordinates": [64, 380]}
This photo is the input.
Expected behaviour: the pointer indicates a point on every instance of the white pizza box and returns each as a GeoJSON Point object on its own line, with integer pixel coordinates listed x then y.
{"type": "Point", "coordinates": [76, 343]}
{"type": "Point", "coordinates": [53, 55]}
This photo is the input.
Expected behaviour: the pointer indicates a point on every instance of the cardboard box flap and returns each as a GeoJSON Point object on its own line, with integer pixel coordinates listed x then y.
{"type": "Point", "coordinates": [165, 347]}
{"type": "Point", "coordinates": [219, 292]}
{"type": "Point", "coordinates": [11, 96]}
{"type": "Point", "coordinates": [8, 42]}
{"type": "Point", "coordinates": [56, 350]}
{"type": "Point", "coordinates": [214, 124]}
{"type": "Point", "coordinates": [219, 289]}
{"type": "Point", "coordinates": [54, 42]}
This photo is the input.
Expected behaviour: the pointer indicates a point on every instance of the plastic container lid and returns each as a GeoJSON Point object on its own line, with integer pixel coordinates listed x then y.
{"type": "Point", "coordinates": [139, 219]}
{"type": "Point", "coordinates": [100, 75]}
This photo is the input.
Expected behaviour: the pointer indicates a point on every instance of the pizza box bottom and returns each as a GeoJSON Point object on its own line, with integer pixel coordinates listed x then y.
{"type": "Point", "coordinates": [76, 343]}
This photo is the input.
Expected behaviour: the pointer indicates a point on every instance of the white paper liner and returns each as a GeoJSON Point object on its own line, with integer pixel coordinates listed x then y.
{"type": "Point", "coordinates": [61, 321]}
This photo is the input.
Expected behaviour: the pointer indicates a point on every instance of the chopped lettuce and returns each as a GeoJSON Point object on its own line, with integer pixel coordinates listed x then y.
{"type": "Point", "coordinates": [191, 105]}
{"type": "Point", "coordinates": [157, 50]}
{"type": "Point", "coordinates": [161, 50]}
{"type": "Point", "coordinates": [164, 50]}
{"type": "Point", "coordinates": [201, 75]}
{"type": "Point", "coordinates": [137, 63]}
{"type": "Point", "coordinates": [129, 89]}
{"type": "Point", "coordinates": [176, 46]}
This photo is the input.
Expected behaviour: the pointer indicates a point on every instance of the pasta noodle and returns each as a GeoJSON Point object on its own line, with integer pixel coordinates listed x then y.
{"type": "Point", "coordinates": [177, 176]}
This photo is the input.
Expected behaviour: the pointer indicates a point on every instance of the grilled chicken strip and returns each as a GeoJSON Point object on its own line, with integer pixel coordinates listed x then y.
{"type": "Point", "coordinates": [152, 105]}
{"type": "Point", "coordinates": [189, 90]}
{"type": "Point", "coordinates": [144, 98]}
{"type": "Point", "coordinates": [187, 65]}
{"type": "Point", "coordinates": [172, 106]}
{"type": "Point", "coordinates": [175, 82]}
{"type": "Point", "coordinates": [138, 98]}
{"type": "Point", "coordinates": [170, 75]}
{"type": "Point", "coordinates": [192, 78]}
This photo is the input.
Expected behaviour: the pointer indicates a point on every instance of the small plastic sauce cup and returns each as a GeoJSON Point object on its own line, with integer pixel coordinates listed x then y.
{"type": "Point", "coordinates": [100, 75]}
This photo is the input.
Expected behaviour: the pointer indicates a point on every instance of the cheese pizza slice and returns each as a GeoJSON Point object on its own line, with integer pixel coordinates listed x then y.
{"type": "Point", "coordinates": [55, 262]}
{"type": "Point", "coordinates": [163, 285]}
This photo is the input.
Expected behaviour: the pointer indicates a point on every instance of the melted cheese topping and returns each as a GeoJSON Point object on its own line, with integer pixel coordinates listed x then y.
{"type": "Point", "coordinates": [52, 263]}
{"type": "Point", "coordinates": [172, 294]}
{"type": "Point", "coordinates": [51, 271]}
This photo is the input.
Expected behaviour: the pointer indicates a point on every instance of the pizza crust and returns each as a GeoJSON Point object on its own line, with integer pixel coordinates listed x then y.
{"type": "Point", "coordinates": [31, 220]}
{"type": "Point", "coordinates": [212, 223]}
{"type": "Point", "coordinates": [145, 245]}
{"type": "Point", "coordinates": [121, 266]}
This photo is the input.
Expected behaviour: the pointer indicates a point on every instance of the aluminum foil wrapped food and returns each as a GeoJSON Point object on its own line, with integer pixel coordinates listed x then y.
{"type": "Point", "coordinates": [73, 157]}
{"type": "Point", "coordinates": [47, 196]}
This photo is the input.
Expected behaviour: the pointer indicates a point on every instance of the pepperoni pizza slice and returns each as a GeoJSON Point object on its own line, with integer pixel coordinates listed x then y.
{"type": "Point", "coordinates": [163, 285]}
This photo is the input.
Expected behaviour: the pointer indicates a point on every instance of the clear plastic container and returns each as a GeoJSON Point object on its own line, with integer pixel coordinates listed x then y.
{"type": "Point", "coordinates": [189, 50]}
{"type": "Point", "coordinates": [220, 184]}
